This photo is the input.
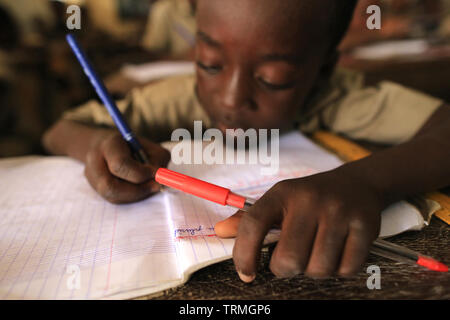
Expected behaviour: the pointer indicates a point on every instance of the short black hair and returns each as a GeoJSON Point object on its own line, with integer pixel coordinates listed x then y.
{"type": "Point", "coordinates": [341, 18]}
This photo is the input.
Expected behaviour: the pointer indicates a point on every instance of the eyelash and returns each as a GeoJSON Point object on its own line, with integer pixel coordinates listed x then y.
{"type": "Point", "coordinates": [275, 87]}
{"type": "Point", "coordinates": [214, 70]}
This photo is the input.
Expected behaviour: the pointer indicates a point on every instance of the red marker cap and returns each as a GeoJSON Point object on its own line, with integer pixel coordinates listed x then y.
{"type": "Point", "coordinates": [199, 188]}
{"type": "Point", "coordinates": [431, 264]}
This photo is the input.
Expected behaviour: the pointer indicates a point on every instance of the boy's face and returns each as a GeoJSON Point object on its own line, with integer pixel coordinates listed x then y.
{"type": "Point", "coordinates": [257, 60]}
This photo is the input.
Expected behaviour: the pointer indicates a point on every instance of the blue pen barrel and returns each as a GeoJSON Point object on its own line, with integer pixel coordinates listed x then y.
{"type": "Point", "coordinates": [106, 99]}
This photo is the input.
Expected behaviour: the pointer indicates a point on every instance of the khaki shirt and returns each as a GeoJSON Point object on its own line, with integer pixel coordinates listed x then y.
{"type": "Point", "coordinates": [105, 16]}
{"type": "Point", "coordinates": [171, 28]}
{"type": "Point", "coordinates": [388, 113]}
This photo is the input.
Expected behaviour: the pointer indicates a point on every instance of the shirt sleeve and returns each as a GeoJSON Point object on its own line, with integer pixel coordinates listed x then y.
{"type": "Point", "coordinates": [388, 113]}
{"type": "Point", "coordinates": [157, 33]}
{"type": "Point", "coordinates": [153, 111]}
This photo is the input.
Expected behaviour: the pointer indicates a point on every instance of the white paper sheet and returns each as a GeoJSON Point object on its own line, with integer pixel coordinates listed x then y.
{"type": "Point", "coordinates": [157, 70]}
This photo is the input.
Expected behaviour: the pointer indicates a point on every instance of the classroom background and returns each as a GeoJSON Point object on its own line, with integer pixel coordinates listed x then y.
{"type": "Point", "coordinates": [40, 78]}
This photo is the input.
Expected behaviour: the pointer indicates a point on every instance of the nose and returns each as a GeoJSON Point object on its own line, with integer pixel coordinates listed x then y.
{"type": "Point", "coordinates": [236, 92]}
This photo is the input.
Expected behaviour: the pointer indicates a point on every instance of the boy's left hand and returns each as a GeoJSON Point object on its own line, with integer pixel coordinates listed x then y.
{"type": "Point", "coordinates": [328, 222]}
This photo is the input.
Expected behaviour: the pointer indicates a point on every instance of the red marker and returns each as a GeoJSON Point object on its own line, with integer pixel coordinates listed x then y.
{"type": "Point", "coordinates": [202, 189]}
{"type": "Point", "coordinates": [225, 197]}
{"type": "Point", "coordinates": [401, 254]}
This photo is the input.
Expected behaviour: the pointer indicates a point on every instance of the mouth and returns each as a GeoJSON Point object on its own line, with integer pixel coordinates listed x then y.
{"type": "Point", "coordinates": [230, 130]}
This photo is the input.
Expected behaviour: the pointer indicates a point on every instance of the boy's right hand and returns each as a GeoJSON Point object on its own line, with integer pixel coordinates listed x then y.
{"type": "Point", "coordinates": [116, 175]}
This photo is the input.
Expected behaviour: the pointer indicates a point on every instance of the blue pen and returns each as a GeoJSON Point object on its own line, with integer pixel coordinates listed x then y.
{"type": "Point", "coordinates": [109, 103]}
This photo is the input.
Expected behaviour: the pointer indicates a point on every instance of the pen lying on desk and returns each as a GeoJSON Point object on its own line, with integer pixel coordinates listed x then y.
{"type": "Point", "coordinates": [224, 197]}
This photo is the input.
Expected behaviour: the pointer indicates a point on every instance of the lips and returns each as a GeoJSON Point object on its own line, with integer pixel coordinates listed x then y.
{"type": "Point", "coordinates": [231, 131]}
{"type": "Point", "coordinates": [223, 127]}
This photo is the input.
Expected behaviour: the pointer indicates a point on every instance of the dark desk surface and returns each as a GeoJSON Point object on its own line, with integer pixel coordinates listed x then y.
{"type": "Point", "coordinates": [398, 281]}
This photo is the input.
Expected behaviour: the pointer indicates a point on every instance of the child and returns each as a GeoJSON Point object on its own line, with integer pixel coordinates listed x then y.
{"type": "Point", "coordinates": [170, 29]}
{"type": "Point", "coordinates": [270, 64]}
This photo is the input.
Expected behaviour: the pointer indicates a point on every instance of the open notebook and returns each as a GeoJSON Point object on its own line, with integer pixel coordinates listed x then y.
{"type": "Point", "coordinates": [61, 240]}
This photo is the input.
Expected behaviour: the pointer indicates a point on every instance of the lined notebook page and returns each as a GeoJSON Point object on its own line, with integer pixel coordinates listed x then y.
{"type": "Point", "coordinates": [54, 229]}
{"type": "Point", "coordinates": [60, 240]}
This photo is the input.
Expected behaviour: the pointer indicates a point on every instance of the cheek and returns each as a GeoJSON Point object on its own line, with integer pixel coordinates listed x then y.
{"type": "Point", "coordinates": [277, 110]}
{"type": "Point", "coordinates": [206, 89]}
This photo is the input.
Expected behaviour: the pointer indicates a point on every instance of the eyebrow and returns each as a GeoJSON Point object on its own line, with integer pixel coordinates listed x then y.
{"type": "Point", "coordinates": [290, 58]}
{"type": "Point", "coordinates": [208, 40]}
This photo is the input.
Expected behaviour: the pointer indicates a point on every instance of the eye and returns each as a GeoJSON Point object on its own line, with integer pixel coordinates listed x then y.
{"type": "Point", "coordinates": [212, 70]}
{"type": "Point", "coordinates": [274, 87]}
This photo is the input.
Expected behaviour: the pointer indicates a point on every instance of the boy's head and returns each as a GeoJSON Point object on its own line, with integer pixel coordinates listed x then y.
{"type": "Point", "coordinates": [257, 60]}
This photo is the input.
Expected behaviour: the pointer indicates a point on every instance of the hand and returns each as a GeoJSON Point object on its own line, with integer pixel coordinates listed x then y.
{"type": "Point", "coordinates": [116, 175]}
{"type": "Point", "coordinates": [328, 222]}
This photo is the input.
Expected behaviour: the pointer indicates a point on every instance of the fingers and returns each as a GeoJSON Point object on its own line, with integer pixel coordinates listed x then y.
{"type": "Point", "coordinates": [252, 230]}
{"type": "Point", "coordinates": [228, 228]}
{"type": "Point", "coordinates": [292, 252]}
{"type": "Point", "coordinates": [355, 253]}
{"type": "Point", "coordinates": [159, 157]}
{"type": "Point", "coordinates": [327, 249]}
{"type": "Point", "coordinates": [112, 170]}
{"type": "Point", "coordinates": [121, 163]}
{"type": "Point", "coordinates": [112, 188]}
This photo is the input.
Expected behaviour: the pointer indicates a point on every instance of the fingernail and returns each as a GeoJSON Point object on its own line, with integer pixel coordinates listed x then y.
{"type": "Point", "coordinates": [246, 278]}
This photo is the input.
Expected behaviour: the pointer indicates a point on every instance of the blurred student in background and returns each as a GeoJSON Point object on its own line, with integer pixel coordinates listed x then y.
{"type": "Point", "coordinates": [171, 28]}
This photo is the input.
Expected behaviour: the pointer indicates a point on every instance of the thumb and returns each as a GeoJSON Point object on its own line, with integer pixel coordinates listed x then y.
{"type": "Point", "coordinates": [228, 228]}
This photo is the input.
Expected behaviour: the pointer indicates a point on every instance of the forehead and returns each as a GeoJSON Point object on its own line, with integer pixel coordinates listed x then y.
{"type": "Point", "coordinates": [286, 25]}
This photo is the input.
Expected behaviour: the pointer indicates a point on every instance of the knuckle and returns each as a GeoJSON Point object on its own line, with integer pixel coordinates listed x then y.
{"type": "Point", "coordinates": [360, 226]}
{"type": "Point", "coordinates": [120, 166]}
{"type": "Point", "coordinates": [334, 204]}
{"type": "Point", "coordinates": [308, 196]}
{"type": "Point", "coordinates": [334, 209]}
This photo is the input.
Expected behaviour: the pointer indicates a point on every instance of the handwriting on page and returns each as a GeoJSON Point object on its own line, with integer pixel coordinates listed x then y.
{"type": "Point", "coordinates": [184, 233]}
